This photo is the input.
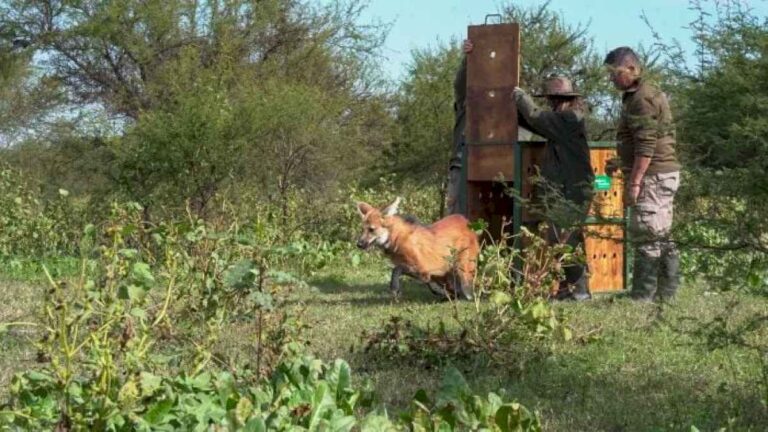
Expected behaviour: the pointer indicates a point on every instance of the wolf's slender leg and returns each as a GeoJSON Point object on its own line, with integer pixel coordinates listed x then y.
{"type": "Point", "coordinates": [394, 282]}
{"type": "Point", "coordinates": [460, 285]}
{"type": "Point", "coordinates": [436, 289]}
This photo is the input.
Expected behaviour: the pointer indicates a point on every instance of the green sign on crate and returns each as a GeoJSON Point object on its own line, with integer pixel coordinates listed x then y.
{"type": "Point", "coordinates": [602, 182]}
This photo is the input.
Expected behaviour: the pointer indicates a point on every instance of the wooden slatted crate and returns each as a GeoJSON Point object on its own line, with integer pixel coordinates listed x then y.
{"type": "Point", "coordinates": [604, 234]}
{"type": "Point", "coordinates": [495, 159]}
{"type": "Point", "coordinates": [604, 242]}
{"type": "Point", "coordinates": [491, 130]}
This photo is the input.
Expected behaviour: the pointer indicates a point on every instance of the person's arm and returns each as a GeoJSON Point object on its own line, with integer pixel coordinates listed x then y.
{"type": "Point", "coordinates": [544, 123]}
{"type": "Point", "coordinates": [643, 124]}
{"type": "Point", "coordinates": [622, 136]}
{"type": "Point", "coordinates": [460, 83]}
{"type": "Point", "coordinates": [638, 170]}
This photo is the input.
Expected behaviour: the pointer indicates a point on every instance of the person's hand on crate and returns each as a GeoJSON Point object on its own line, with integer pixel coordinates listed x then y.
{"type": "Point", "coordinates": [612, 165]}
{"type": "Point", "coordinates": [468, 46]}
{"type": "Point", "coordinates": [633, 191]}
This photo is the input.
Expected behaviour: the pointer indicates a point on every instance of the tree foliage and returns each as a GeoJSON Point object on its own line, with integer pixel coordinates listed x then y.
{"type": "Point", "coordinates": [425, 117]}
{"type": "Point", "coordinates": [726, 117]}
{"type": "Point", "coordinates": [276, 93]}
{"type": "Point", "coordinates": [550, 44]}
{"type": "Point", "coordinates": [722, 125]}
{"type": "Point", "coordinates": [24, 97]}
{"type": "Point", "coordinates": [116, 53]}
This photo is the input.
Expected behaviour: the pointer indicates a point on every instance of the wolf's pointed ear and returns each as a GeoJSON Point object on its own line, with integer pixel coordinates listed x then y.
{"type": "Point", "coordinates": [364, 209]}
{"type": "Point", "coordinates": [391, 209]}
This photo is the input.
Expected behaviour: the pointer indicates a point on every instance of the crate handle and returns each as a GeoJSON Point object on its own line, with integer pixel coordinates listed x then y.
{"type": "Point", "coordinates": [493, 15]}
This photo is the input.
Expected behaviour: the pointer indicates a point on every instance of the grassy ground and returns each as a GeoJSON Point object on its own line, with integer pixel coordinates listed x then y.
{"type": "Point", "coordinates": [640, 370]}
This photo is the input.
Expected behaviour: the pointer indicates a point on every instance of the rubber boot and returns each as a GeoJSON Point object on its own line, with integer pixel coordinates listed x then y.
{"type": "Point", "coordinates": [578, 274]}
{"type": "Point", "coordinates": [576, 284]}
{"type": "Point", "coordinates": [669, 276]}
{"type": "Point", "coordinates": [581, 290]}
{"type": "Point", "coordinates": [563, 292]}
{"type": "Point", "coordinates": [644, 277]}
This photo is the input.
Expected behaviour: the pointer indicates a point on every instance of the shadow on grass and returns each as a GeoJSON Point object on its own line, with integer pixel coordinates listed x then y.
{"type": "Point", "coordinates": [336, 290]}
{"type": "Point", "coordinates": [576, 397]}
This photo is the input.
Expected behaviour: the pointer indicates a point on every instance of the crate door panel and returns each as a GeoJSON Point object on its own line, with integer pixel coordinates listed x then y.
{"type": "Point", "coordinates": [490, 162]}
{"type": "Point", "coordinates": [604, 250]}
{"type": "Point", "coordinates": [492, 74]}
{"type": "Point", "coordinates": [606, 203]}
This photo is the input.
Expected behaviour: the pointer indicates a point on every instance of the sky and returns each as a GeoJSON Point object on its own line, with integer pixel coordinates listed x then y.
{"type": "Point", "coordinates": [612, 23]}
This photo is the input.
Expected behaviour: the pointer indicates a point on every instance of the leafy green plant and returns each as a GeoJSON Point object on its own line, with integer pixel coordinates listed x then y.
{"type": "Point", "coordinates": [126, 315]}
{"type": "Point", "coordinates": [457, 408]}
{"type": "Point", "coordinates": [31, 225]}
{"type": "Point", "coordinates": [303, 393]}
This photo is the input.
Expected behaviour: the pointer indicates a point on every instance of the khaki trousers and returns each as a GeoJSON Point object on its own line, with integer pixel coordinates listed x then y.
{"type": "Point", "coordinates": [652, 215]}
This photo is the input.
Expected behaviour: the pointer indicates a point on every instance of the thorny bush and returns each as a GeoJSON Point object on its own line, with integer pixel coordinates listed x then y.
{"type": "Point", "coordinates": [31, 225]}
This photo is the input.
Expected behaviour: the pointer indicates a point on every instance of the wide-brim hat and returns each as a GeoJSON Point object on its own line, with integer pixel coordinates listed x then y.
{"type": "Point", "coordinates": [558, 86]}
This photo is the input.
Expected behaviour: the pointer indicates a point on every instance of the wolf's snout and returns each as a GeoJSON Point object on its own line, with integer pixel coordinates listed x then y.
{"type": "Point", "coordinates": [362, 244]}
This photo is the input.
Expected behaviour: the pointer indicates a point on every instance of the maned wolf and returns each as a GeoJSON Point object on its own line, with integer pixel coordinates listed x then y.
{"type": "Point", "coordinates": [442, 255]}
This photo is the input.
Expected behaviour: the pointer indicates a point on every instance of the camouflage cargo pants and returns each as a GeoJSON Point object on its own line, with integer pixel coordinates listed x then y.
{"type": "Point", "coordinates": [656, 271]}
{"type": "Point", "coordinates": [651, 220]}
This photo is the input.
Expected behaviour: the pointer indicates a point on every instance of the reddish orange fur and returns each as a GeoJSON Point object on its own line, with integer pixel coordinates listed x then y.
{"type": "Point", "coordinates": [431, 253]}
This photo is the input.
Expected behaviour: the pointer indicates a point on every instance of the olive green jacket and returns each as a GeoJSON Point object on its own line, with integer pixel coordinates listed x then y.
{"type": "Point", "coordinates": [646, 128]}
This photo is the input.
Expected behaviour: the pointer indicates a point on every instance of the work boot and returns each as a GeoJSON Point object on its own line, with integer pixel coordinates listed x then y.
{"type": "Point", "coordinates": [563, 293]}
{"type": "Point", "coordinates": [581, 290]}
{"type": "Point", "coordinates": [669, 276]}
{"type": "Point", "coordinates": [580, 286]}
{"type": "Point", "coordinates": [576, 284]}
{"type": "Point", "coordinates": [644, 277]}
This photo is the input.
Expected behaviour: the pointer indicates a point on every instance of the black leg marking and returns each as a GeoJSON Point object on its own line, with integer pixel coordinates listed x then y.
{"type": "Point", "coordinates": [394, 282]}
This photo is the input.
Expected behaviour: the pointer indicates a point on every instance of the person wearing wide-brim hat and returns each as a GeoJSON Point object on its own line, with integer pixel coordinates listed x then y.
{"type": "Point", "coordinates": [565, 193]}
{"type": "Point", "coordinates": [558, 87]}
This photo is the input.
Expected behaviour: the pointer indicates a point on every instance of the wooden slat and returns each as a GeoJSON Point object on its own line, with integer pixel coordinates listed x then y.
{"type": "Point", "coordinates": [489, 162]}
{"type": "Point", "coordinates": [492, 74]}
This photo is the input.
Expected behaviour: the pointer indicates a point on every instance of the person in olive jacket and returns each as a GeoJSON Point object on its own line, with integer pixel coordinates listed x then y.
{"type": "Point", "coordinates": [647, 158]}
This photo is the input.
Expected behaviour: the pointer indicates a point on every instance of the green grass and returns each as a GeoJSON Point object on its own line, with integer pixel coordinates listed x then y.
{"type": "Point", "coordinates": [19, 302]}
{"type": "Point", "coordinates": [31, 270]}
{"type": "Point", "coordinates": [640, 370]}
